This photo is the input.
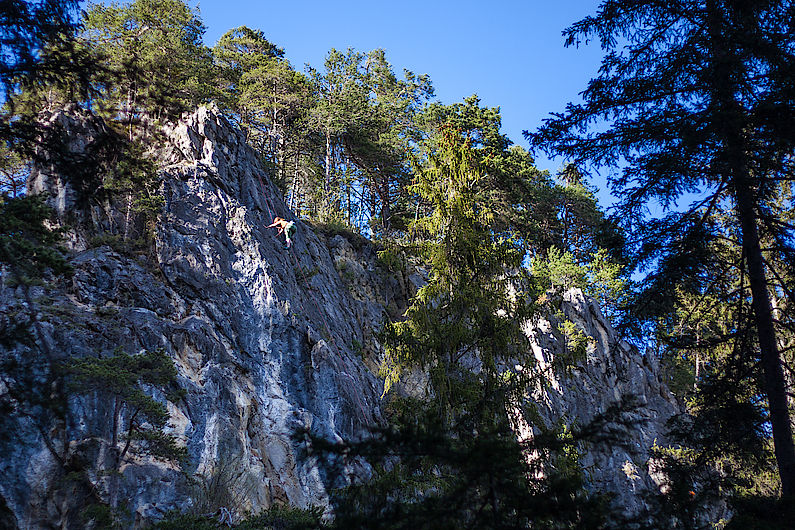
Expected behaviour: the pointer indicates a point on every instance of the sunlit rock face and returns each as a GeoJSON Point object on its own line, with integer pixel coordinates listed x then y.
{"type": "Point", "coordinates": [267, 342]}
{"type": "Point", "coordinates": [263, 338]}
{"type": "Point", "coordinates": [615, 386]}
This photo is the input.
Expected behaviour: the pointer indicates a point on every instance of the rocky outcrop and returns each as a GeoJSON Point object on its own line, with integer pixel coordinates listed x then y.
{"type": "Point", "coordinates": [613, 384]}
{"type": "Point", "coordinates": [267, 342]}
{"type": "Point", "coordinates": [612, 388]}
{"type": "Point", "coordinates": [263, 338]}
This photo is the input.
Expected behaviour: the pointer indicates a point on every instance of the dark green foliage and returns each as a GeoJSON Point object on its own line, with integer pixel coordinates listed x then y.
{"type": "Point", "coordinates": [32, 389]}
{"type": "Point", "coordinates": [13, 172]}
{"type": "Point", "coordinates": [277, 517]}
{"type": "Point", "coordinates": [178, 521]}
{"type": "Point", "coordinates": [726, 432]}
{"type": "Point", "coordinates": [37, 47]}
{"type": "Point", "coordinates": [28, 249]}
{"type": "Point", "coordinates": [131, 179]}
{"type": "Point", "coordinates": [108, 170]}
{"type": "Point", "coordinates": [762, 513]}
{"type": "Point", "coordinates": [38, 54]}
{"type": "Point", "coordinates": [266, 97]}
{"type": "Point", "coordinates": [155, 58]}
{"type": "Point", "coordinates": [465, 309]}
{"type": "Point", "coordinates": [27, 244]}
{"type": "Point", "coordinates": [469, 472]}
{"type": "Point", "coordinates": [340, 228]}
{"type": "Point", "coordinates": [525, 205]}
{"type": "Point", "coordinates": [365, 121]}
{"type": "Point", "coordinates": [38, 392]}
{"type": "Point", "coordinates": [100, 516]}
{"type": "Point", "coordinates": [280, 517]}
{"type": "Point", "coordinates": [124, 378]}
{"type": "Point", "coordinates": [452, 459]}
{"type": "Point", "coordinates": [697, 107]}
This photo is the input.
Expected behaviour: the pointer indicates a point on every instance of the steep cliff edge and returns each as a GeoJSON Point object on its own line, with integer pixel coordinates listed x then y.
{"type": "Point", "coordinates": [266, 341]}
{"type": "Point", "coordinates": [262, 338]}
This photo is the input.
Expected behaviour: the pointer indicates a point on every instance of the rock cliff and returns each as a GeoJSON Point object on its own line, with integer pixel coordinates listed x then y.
{"type": "Point", "coordinates": [613, 376]}
{"type": "Point", "coordinates": [266, 341]}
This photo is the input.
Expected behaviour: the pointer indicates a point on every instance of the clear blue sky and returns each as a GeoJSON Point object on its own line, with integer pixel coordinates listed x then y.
{"type": "Point", "coordinates": [510, 53]}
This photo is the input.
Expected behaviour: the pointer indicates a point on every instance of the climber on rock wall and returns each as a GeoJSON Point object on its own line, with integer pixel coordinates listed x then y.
{"type": "Point", "coordinates": [288, 227]}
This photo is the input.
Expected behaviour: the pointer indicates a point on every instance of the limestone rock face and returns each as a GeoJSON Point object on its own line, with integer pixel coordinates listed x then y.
{"type": "Point", "coordinates": [612, 377]}
{"type": "Point", "coordinates": [267, 341]}
{"type": "Point", "coordinates": [263, 338]}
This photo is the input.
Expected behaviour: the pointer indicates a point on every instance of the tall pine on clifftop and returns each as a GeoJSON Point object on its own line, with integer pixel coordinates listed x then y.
{"type": "Point", "coordinates": [153, 53]}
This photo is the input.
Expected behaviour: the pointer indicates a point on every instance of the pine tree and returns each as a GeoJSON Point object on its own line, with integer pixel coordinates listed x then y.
{"type": "Point", "coordinates": [39, 54]}
{"type": "Point", "coordinates": [468, 281]}
{"type": "Point", "coordinates": [699, 99]}
{"type": "Point", "coordinates": [152, 50]}
{"type": "Point", "coordinates": [13, 172]}
{"type": "Point", "coordinates": [365, 118]}
{"type": "Point", "coordinates": [37, 45]}
{"type": "Point", "coordinates": [125, 379]}
{"type": "Point", "coordinates": [267, 96]}
{"type": "Point", "coordinates": [341, 99]}
{"type": "Point", "coordinates": [450, 458]}
{"type": "Point", "coordinates": [29, 252]}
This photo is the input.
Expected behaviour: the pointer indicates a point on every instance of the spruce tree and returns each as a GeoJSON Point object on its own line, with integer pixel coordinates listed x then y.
{"type": "Point", "coordinates": [450, 457]}
{"type": "Point", "coordinates": [698, 98]}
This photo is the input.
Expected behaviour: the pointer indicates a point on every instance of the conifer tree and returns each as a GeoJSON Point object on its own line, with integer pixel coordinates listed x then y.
{"type": "Point", "coordinates": [28, 251]}
{"type": "Point", "coordinates": [125, 379]}
{"type": "Point", "coordinates": [698, 96]}
{"type": "Point", "coordinates": [13, 172]}
{"type": "Point", "coordinates": [341, 99]}
{"type": "Point", "coordinates": [365, 118]}
{"type": "Point", "coordinates": [382, 143]}
{"type": "Point", "coordinates": [267, 96]}
{"type": "Point", "coordinates": [702, 337]}
{"type": "Point", "coordinates": [450, 457]}
{"type": "Point", "coordinates": [154, 54]}
{"type": "Point", "coordinates": [39, 53]}
{"type": "Point", "coordinates": [468, 283]}
{"type": "Point", "coordinates": [37, 45]}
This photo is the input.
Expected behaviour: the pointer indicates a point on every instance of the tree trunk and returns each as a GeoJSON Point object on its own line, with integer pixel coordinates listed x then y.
{"type": "Point", "coordinates": [774, 384]}
{"type": "Point", "coordinates": [386, 207]}
{"type": "Point", "coordinates": [293, 195]}
{"type": "Point", "coordinates": [327, 182]}
{"type": "Point", "coordinates": [127, 216]}
{"type": "Point", "coordinates": [731, 121]}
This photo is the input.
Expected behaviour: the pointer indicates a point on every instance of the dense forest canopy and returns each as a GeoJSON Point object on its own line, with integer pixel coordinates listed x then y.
{"type": "Point", "coordinates": [693, 97]}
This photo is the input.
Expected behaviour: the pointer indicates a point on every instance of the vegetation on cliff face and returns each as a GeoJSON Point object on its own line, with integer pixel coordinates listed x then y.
{"type": "Point", "coordinates": [699, 99]}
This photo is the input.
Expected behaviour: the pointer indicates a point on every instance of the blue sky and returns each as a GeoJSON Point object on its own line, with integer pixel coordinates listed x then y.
{"type": "Point", "coordinates": [511, 54]}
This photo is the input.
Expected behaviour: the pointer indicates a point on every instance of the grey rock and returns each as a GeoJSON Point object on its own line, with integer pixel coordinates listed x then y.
{"type": "Point", "coordinates": [232, 307]}
{"type": "Point", "coordinates": [614, 376]}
